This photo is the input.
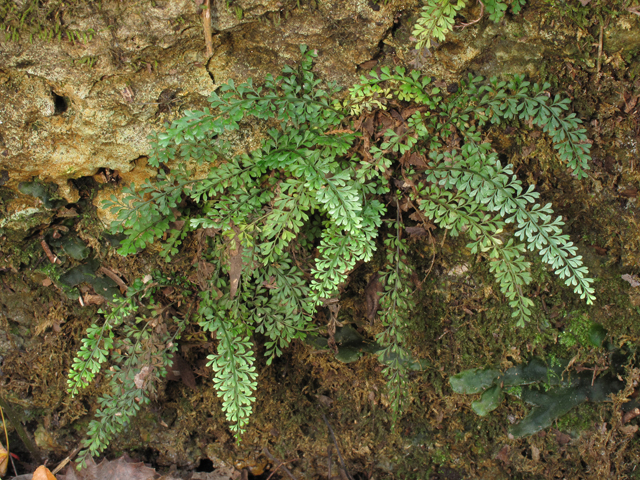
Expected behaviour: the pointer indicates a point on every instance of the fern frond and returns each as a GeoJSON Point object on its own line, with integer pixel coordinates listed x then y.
{"type": "Point", "coordinates": [457, 212]}
{"type": "Point", "coordinates": [436, 20]}
{"type": "Point", "coordinates": [481, 175]}
{"type": "Point", "coordinates": [395, 304]}
{"type": "Point", "coordinates": [97, 344]}
{"type": "Point", "coordinates": [233, 366]}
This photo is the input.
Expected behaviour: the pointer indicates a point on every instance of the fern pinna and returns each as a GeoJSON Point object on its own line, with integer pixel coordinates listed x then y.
{"type": "Point", "coordinates": [287, 222]}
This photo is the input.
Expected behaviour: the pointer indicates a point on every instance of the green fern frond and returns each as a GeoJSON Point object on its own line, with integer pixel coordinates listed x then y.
{"type": "Point", "coordinates": [436, 20]}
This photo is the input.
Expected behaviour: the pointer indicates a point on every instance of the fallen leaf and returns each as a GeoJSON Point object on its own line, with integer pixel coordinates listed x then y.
{"type": "Point", "coordinates": [121, 469]}
{"type": "Point", "coordinates": [368, 65]}
{"type": "Point", "coordinates": [562, 438]}
{"type": "Point", "coordinates": [4, 460]}
{"type": "Point", "coordinates": [503, 454]}
{"type": "Point", "coordinates": [42, 473]}
{"type": "Point", "coordinates": [371, 294]}
{"type": "Point", "coordinates": [181, 371]}
{"type": "Point", "coordinates": [46, 282]}
{"type": "Point", "coordinates": [416, 231]}
{"type": "Point", "coordinates": [632, 281]}
{"type": "Point", "coordinates": [629, 429]}
{"type": "Point", "coordinates": [535, 453]}
{"type": "Point", "coordinates": [141, 376]}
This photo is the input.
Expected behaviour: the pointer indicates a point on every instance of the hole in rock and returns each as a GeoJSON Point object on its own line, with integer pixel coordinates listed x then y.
{"type": "Point", "coordinates": [60, 104]}
{"type": "Point", "coordinates": [205, 465]}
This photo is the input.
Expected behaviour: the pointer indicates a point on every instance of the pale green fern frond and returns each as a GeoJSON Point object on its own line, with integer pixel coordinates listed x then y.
{"type": "Point", "coordinates": [436, 20]}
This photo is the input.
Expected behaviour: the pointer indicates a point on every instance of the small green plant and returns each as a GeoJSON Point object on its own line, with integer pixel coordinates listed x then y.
{"type": "Point", "coordinates": [551, 390]}
{"type": "Point", "coordinates": [281, 227]}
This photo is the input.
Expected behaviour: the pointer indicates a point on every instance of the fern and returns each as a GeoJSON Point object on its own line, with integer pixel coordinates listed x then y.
{"type": "Point", "coordinates": [287, 222]}
{"type": "Point", "coordinates": [437, 18]}
{"type": "Point", "coordinates": [139, 358]}
{"type": "Point", "coordinates": [395, 304]}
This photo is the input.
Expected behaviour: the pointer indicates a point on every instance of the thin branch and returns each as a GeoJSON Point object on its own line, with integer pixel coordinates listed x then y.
{"type": "Point", "coordinates": [281, 464]}
{"type": "Point", "coordinates": [114, 277]}
{"type": "Point", "coordinates": [465, 25]}
{"type": "Point", "coordinates": [52, 258]}
{"type": "Point", "coordinates": [206, 22]}
{"type": "Point", "coordinates": [333, 437]}
{"type": "Point", "coordinates": [599, 64]}
{"type": "Point", "coordinates": [64, 462]}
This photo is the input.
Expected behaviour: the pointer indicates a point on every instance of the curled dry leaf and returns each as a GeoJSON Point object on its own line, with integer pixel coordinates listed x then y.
{"type": "Point", "coordinates": [121, 469]}
{"type": "Point", "coordinates": [372, 295]}
{"type": "Point", "coordinates": [4, 460]}
{"type": "Point", "coordinates": [141, 376]}
{"type": "Point", "coordinates": [43, 473]}
{"type": "Point", "coordinates": [632, 281]}
{"type": "Point", "coordinates": [181, 371]}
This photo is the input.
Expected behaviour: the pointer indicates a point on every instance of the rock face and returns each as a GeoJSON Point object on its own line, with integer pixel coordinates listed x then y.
{"type": "Point", "coordinates": [70, 108]}
{"type": "Point", "coordinates": [88, 100]}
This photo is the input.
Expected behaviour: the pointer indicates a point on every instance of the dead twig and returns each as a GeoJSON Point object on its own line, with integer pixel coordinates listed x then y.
{"type": "Point", "coordinates": [335, 443]}
{"type": "Point", "coordinates": [52, 258]}
{"type": "Point", "coordinates": [114, 277]}
{"type": "Point", "coordinates": [280, 464]}
{"type": "Point", "coordinates": [599, 64]}
{"type": "Point", "coordinates": [64, 462]}
{"type": "Point", "coordinates": [465, 25]}
{"type": "Point", "coordinates": [206, 21]}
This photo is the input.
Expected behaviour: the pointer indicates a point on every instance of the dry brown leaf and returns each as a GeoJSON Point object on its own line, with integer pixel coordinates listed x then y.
{"type": "Point", "coordinates": [371, 294]}
{"type": "Point", "coordinates": [503, 454]}
{"type": "Point", "coordinates": [368, 65]}
{"type": "Point", "coordinates": [141, 376]}
{"type": "Point", "coordinates": [90, 299]}
{"type": "Point", "coordinates": [562, 438]}
{"type": "Point", "coordinates": [121, 469]}
{"type": "Point", "coordinates": [4, 460]}
{"type": "Point", "coordinates": [235, 263]}
{"type": "Point", "coordinates": [535, 453]}
{"type": "Point", "coordinates": [416, 231]}
{"type": "Point", "coordinates": [42, 473]}
{"type": "Point", "coordinates": [181, 371]}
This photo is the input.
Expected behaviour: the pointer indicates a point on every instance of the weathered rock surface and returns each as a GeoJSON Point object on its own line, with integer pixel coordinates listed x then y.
{"type": "Point", "coordinates": [69, 108]}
